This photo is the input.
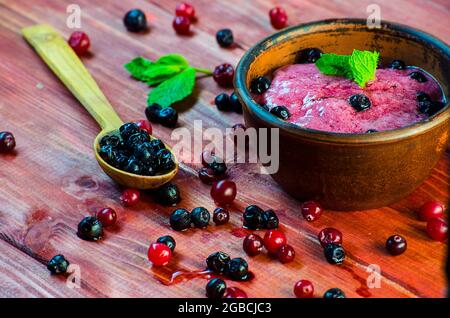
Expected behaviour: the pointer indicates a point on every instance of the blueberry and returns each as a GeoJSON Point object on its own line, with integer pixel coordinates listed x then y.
{"type": "Point", "coordinates": [237, 269]}
{"type": "Point", "coordinates": [265, 107]}
{"type": "Point", "coordinates": [360, 102]}
{"type": "Point", "coordinates": [222, 102]}
{"type": "Point", "coordinates": [109, 154]}
{"type": "Point", "coordinates": [137, 139]}
{"type": "Point", "coordinates": [121, 160]}
{"type": "Point", "coordinates": [418, 76]}
{"type": "Point", "coordinates": [180, 220]}
{"type": "Point", "coordinates": [133, 166]}
{"type": "Point", "coordinates": [334, 253]}
{"type": "Point", "coordinates": [110, 140]}
{"type": "Point", "coordinates": [147, 170]}
{"type": "Point", "coordinates": [152, 112]}
{"type": "Point", "coordinates": [281, 112]}
{"type": "Point", "coordinates": [90, 229]}
{"type": "Point", "coordinates": [253, 217]}
{"type": "Point", "coordinates": [397, 65]}
{"type": "Point", "coordinates": [167, 240]}
{"type": "Point", "coordinates": [269, 220]}
{"type": "Point", "coordinates": [218, 168]}
{"type": "Point", "coordinates": [334, 293]}
{"type": "Point", "coordinates": [128, 129]}
{"type": "Point", "coordinates": [7, 141]}
{"type": "Point", "coordinates": [58, 265]}
{"type": "Point", "coordinates": [423, 97]}
{"type": "Point", "coordinates": [371, 131]}
{"type": "Point", "coordinates": [144, 153]}
{"type": "Point", "coordinates": [215, 288]}
{"type": "Point", "coordinates": [168, 194]}
{"type": "Point", "coordinates": [168, 117]}
{"type": "Point", "coordinates": [259, 85]}
{"type": "Point", "coordinates": [200, 217]}
{"type": "Point", "coordinates": [308, 55]}
{"type": "Point", "coordinates": [217, 262]}
{"type": "Point", "coordinates": [135, 20]}
{"type": "Point", "coordinates": [225, 37]}
{"type": "Point", "coordinates": [236, 105]}
{"type": "Point", "coordinates": [165, 160]}
{"type": "Point", "coordinates": [157, 144]}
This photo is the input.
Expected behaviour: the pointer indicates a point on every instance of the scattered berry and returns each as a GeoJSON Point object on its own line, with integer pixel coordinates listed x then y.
{"type": "Point", "coordinates": [281, 112]}
{"type": "Point", "coordinates": [418, 76]}
{"type": "Point", "coordinates": [334, 253]}
{"type": "Point", "coordinates": [225, 37]}
{"type": "Point", "coordinates": [236, 105]}
{"type": "Point", "coordinates": [269, 220]}
{"type": "Point", "coordinates": [180, 220]}
{"type": "Point", "coordinates": [7, 142]}
{"type": "Point", "coordinates": [334, 293]}
{"type": "Point", "coordinates": [431, 210]}
{"type": "Point", "coordinates": [259, 85]}
{"type": "Point", "coordinates": [253, 217]}
{"type": "Point", "coordinates": [168, 117]}
{"type": "Point", "coordinates": [135, 20]}
{"type": "Point", "coordinates": [311, 210]}
{"type": "Point", "coordinates": [223, 192]}
{"type": "Point", "coordinates": [107, 217]}
{"type": "Point", "coordinates": [127, 130]}
{"type": "Point", "coordinates": [278, 17]}
{"type": "Point", "coordinates": [215, 289]}
{"type": "Point", "coordinates": [304, 289]}
{"type": "Point", "coordinates": [223, 75]}
{"type": "Point", "coordinates": [200, 217]}
{"type": "Point", "coordinates": [159, 254]}
{"type": "Point", "coordinates": [130, 197]}
{"type": "Point", "coordinates": [58, 265]}
{"type": "Point", "coordinates": [207, 175]}
{"type": "Point", "coordinates": [152, 112]}
{"type": "Point", "coordinates": [167, 240]}
{"type": "Point", "coordinates": [182, 25]}
{"type": "Point", "coordinates": [217, 164]}
{"type": "Point", "coordinates": [397, 65]}
{"type": "Point", "coordinates": [237, 269]}
{"type": "Point", "coordinates": [309, 55]}
{"type": "Point", "coordinates": [222, 102]}
{"type": "Point", "coordinates": [286, 254]}
{"type": "Point", "coordinates": [359, 102]}
{"type": "Point", "coordinates": [168, 194]}
{"type": "Point", "coordinates": [185, 10]}
{"type": "Point", "coordinates": [330, 235]}
{"type": "Point", "coordinates": [253, 244]}
{"type": "Point", "coordinates": [273, 240]}
{"type": "Point", "coordinates": [221, 216]}
{"type": "Point", "coordinates": [79, 42]}
{"type": "Point", "coordinates": [396, 245]}
{"type": "Point", "coordinates": [90, 229]}
{"type": "Point", "coordinates": [437, 229]}
{"type": "Point", "coordinates": [144, 125]}
{"type": "Point", "coordinates": [217, 262]}
{"type": "Point", "coordinates": [234, 292]}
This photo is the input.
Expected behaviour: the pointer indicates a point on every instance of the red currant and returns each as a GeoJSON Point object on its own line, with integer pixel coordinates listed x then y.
{"type": "Point", "coordinates": [182, 25]}
{"type": "Point", "coordinates": [330, 235]}
{"type": "Point", "coordinates": [145, 125]}
{"type": "Point", "coordinates": [185, 10]}
{"type": "Point", "coordinates": [431, 210]}
{"type": "Point", "coordinates": [159, 254]}
{"type": "Point", "coordinates": [107, 217]}
{"type": "Point", "coordinates": [278, 17]}
{"type": "Point", "coordinates": [223, 75]}
{"type": "Point", "coordinates": [311, 210]}
{"type": "Point", "coordinates": [223, 192]}
{"type": "Point", "coordinates": [221, 216]}
{"type": "Point", "coordinates": [253, 244]}
{"type": "Point", "coordinates": [286, 254]}
{"type": "Point", "coordinates": [304, 289]}
{"type": "Point", "coordinates": [234, 292]}
{"type": "Point", "coordinates": [437, 229]}
{"type": "Point", "coordinates": [273, 240]}
{"type": "Point", "coordinates": [79, 42]}
{"type": "Point", "coordinates": [130, 197]}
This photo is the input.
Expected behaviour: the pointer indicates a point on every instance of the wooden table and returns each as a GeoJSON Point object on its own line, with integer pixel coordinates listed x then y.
{"type": "Point", "coordinates": [53, 179]}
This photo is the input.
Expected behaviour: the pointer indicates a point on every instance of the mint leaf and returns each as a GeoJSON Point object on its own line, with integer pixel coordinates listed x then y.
{"type": "Point", "coordinates": [173, 89]}
{"type": "Point", "coordinates": [137, 67]}
{"type": "Point", "coordinates": [334, 64]}
{"type": "Point", "coordinates": [173, 59]}
{"type": "Point", "coordinates": [363, 65]}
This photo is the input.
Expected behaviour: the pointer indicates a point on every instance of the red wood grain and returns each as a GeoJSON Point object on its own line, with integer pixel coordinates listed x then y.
{"type": "Point", "coordinates": [53, 179]}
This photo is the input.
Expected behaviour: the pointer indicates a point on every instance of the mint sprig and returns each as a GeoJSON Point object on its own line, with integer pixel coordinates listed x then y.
{"type": "Point", "coordinates": [171, 75]}
{"type": "Point", "coordinates": [359, 67]}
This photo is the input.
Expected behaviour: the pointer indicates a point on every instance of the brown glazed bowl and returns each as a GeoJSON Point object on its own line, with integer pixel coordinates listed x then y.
{"type": "Point", "coordinates": [350, 171]}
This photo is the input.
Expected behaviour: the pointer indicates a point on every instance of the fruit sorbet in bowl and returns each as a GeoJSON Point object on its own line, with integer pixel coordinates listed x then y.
{"type": "Point", "coordinates": [396, 98]}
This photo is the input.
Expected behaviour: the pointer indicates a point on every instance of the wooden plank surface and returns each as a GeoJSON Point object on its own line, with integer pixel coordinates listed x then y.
{"type": "Point", "coordinates": [53, 180]}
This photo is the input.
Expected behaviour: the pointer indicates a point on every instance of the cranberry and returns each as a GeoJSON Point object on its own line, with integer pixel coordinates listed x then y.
{"type": "Point", "coordinates": [221, 216]}
{"type": "Point", "coordinates": [431, 210]}
{"type": "Point", "coordinates": [223, 75]}
{"type": "Point", "coordinates": [286, 254]}
{"type": "Point", "coordinates": [278, 17]}
{"type": "Point", "coordinates": [185, 10]}
{"type": "Point", "coordinates": [396, 245]}
{"type": "Point", "coordinates": [311, 210]}
{"type": "Point", "coordinates": [79, 42]}
{"type": "Point", "coordinates": [330, 235]}
{"type": "Point", "coordinates": [304, 289]}
{"type": "Point", "coordinates": [130, 197]}
{"type": "Point", "coordinates": [234, 292]}
{"type": "Point", "coordinates": [144, 125]}
{"type": "Point", "coordinates": [7, 141]}
{"type": "Point", "coordinates": [437, 229]}
{"type": "Point", "coordinates": [273, 240]}
{"type": "Point", "coordinates": [253, 244]}
{"type": "Point", "coordinates": [107, 217]}
{"type": "Point", "coordinates": [159, 254]}
{"type": "Point", "coordinates": [207, 175]}
{"type": "Point", "coordinates": [181, 25]}
{"type": "Point", "coordinates": [223, 192]}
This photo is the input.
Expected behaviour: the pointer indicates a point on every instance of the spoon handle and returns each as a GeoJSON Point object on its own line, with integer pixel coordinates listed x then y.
{"type": "Point", "coordinates": [63, 61]}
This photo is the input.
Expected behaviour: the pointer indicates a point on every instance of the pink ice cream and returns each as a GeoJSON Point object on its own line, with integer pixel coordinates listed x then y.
{"type": "Point", "coordinates": [319, 101]}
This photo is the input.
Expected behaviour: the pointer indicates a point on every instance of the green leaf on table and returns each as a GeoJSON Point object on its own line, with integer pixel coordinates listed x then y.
{"type": "Point", "coordinates": [173, 59]}
{"type": "Point", "coordinates": [137, 67]}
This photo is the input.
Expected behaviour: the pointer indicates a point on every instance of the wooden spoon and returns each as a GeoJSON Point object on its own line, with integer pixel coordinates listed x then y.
{"type": "Point", "coordinates": [63, 61]}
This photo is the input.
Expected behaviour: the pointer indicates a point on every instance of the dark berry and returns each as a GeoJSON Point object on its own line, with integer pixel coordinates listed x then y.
{"type": "Point", "coordinates": [180, 220]}
{"type": "Point", "coordinates": [107, 217]}
{"type": "Point", "coordinates": [207, 175]}
{"type": "Point", "coordinates": [221, 216]}
{"type": "Point", "coordinates": [274, 240]}
{"type": "Point", "coordinates": [167, 240]}
{"type": "Point", "coordinates": [265, 107]}
{"type": "Point", "coordinates": [278, 17]}
{"type": "Point", "coordinates": [286, 254]}
{"type": "Point", "coordinates": [418, 76]}
{"type": "Point", "coordinates": [424, 103]}
{"type": "Point", "coordinates": [217, 164]}
{"type": "Point", "coordinates": [222, 102]}
{"type": "Point", "coordinates": [281, 112]}
{"type": "Point", "coordinates": [304, 289]}
{"type": "Point", "coordinates": [237, 269]}
{"type": "Point", "coordinates": [396, 245]}
{"type": "Point", "coordinates": [259, 85]}
{"type": "Point", "coordinates": [110, 140]}
{"type": "Point", "coordinates": [166, 161]}
{"type": "Point", "coordinates": [135, 20]}
{"type": "Point", "coordinates": [330, 235]}
{"type": "Point", "coordinates": [236, 105]}
{"type": "Point", "coordinates": [234, 292]}
{"type": "Point", "coordinates": [90, 229]}
{"type": "Point", "coordinates": [200, 217]}
{"type": "Point", "coordinates": [58, 265]}
{"type": "Point", "coordinates": [144, 125]}
{"type": "Point", "coordinates": [311, 210]}
{"type": "Point", "coordinates": [309, 55]}
{"type": "Point", "coordinates": [109, 154]}
{"type": "Point", "coordinates": [397, 65]}
{"type": "Point", "coordinates": [437, 229]}
{"type": "Point", "coordinates": [223, 75]}
{"type": "Point", "coordinates": [217, 262]}
{"type": "Point", "coordinates": [127, 130]}
{"type": "Point", "coordinates": [159, 254]}
{"type": "Point", "coordinates": [371, 131]}
{"type": "Point", "coordinates": [334, 253]}
{"type": "Point", "coordinates": [223, 192]}
{"type": "Point", "coordinates": [431, 210]}
{"type": "Point", "coordinates": [253, 217]}
{"type": "Point", "coordinates": [7, 142]}
{"type": "Point", "coordinates": [168, 117]}
{"type": "Point", "coordinates": [79, 42]}
{"type": "Point", "coordinates": [269, 219]}
{"type": "Point", "coordinates": [133, 166]}
{"type": "Point", "coordinates": [157, 144]}
{"type": "Point", "coordinates": [152, 112]}
{"type": "Point", "coordinates": [253, 244]}
{"type": "Point", "coordinates": [144, 153]}
{"type": "Point", "coordinates": [137, 139]}
{"type": "Point", "coordinates": [168, 194]}
{"type": "Point", "coordinates": [225, 37]}
{"type": "Point", "coordinates": [185, 10]}
{"type": "Point", "coordinates": [215, 289]}
{"type": "Point", "coordinates": [182, 25]}
{"type": "Point", "coordinates": [359, 102]}
{"type": "Point", "coordinates": [130, 197]}
{"type": "Point", "coordinates": [334, 293]}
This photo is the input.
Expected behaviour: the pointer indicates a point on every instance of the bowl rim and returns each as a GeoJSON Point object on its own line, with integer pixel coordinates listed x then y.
{"type": "Point", "coordinates": [335, 137]}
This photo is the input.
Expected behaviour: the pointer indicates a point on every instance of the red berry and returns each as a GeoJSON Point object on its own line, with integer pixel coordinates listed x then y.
{"type": "Point", "coordinates": [396, 245]}
{"type": "Point", "coordinates": [253, 244]}
{"type": "Point", "coordinates": [311, 210]}
{"type": "Point", "coordinates": [145, 125]}
{"type": "Point", "coordinates": [273, 240]}
{"type": "Point", "coordinates": [330, 235]}
{"type": "Point", "coordinates": [304, 289]}
{"type": "Point", "coordinates": [159, 254]}
{"type": "Point", "coordinates": [182, 25]}
{"type": "Point", "coordinates": [7, 141]}
{"type": "Point", "coordinates": [107, 217]}
{"type": "Point", "coordinates": [223, 192]}
{"type": "Point", "coordinates": [286, 254]}
{"type": "Point", "coordinates": [278, 17]}
{"type": "Point", "coordinates": [223, 75]}
{"type": "Point", "coordinates": [185, 10]}
{"type": "Point", "coordinates": [221, 216]}
{"type": "Point", "coordinates": [431, 210]}
{"type": "Point", "coordinates": [79, 42]}
{"type": "Point", "coordinates": [437, 229]}
{"type": "Point", "coordinates": [234, 292]}
{"type": "Point", "coordinates": [130, 197]}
